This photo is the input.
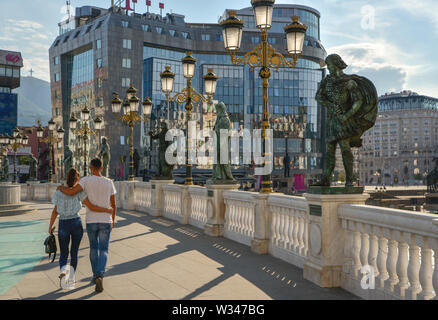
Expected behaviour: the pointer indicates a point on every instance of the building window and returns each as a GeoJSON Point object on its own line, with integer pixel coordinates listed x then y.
{"type": "Point", "coordinates": [185, 35]}
{"type": "Point", "coordinates": [122, 140]}
{"type": "Point", "coordinates": [125, 24]}
{"type": "Point", "coordinates": [56, 77]}
{"type": "Point", "coordinates": [89, 29]}
{"type": "Point", "coordinates": [99, 63]}
{"type": "Point", "coordinates": [126, 82]}
{"type": "Point", "coordinates": [126, 63]}
{"type": "Point", "coordinates": [255, 39]}
{"type": "Point", "coordinates": [205, 37]}
{"type": "Point", "coordinates": [100, 102]}
{"type": "Point", "coordinates": [159, 30]}
{"type": "Point", "coordinates": [56, 60]}
{"type": "Point", "coordinates": [272, 40]}
{"type": "Point", "coordinates": [99, 82]}
{"type": "Point", "coordinates": [127, 43]}
{"type": "Point", "coordinates": [16, 73]}
{"type": "Point", "coordinates": [172, 32]}
{"type": "Point", "coordinates": [145, 27]}
{"type": "Point", "coordinates": [76, 34]}
{"type": "Point", "coordinates": [98, 44]}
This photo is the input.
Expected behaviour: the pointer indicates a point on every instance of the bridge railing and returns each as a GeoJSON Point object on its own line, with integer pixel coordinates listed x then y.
{"type": "Point", "coordinates": [397, 249]}
{"type": "Point", "coordinates": [197, 213]}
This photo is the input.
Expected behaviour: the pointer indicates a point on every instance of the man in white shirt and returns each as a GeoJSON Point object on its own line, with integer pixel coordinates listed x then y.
{"type": "Point", "coordinates": [101, 192]}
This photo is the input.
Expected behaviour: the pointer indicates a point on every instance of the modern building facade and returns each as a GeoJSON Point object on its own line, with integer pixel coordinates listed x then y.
{"type": "Point", "coordinates": [10, 64]}
{"type": "Point", "coordinates": [105, 50]}
{"type": "Point", "coordinates": [400, 148]}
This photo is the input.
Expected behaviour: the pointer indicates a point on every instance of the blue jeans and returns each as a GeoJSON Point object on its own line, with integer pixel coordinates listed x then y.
{"type": "Point", "coordinates": [98, 235]}
{"type": "Point", "coordinates": [70, 228]}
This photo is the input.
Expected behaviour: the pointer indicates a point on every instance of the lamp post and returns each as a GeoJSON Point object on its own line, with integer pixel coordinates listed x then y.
{"type": "Point", "coordinates": [83, 130]}
{"type": "Point", "coordinates": [130, 117]}
{"type": "Point", "coordinates": [4, 144]}
{"type": "Point", "coordinates": [264, 56]}
{"type": "Point", "coordinates": [54, 136]}
{"type": "Point", "coordinates": [16, 142]}
{"type": "Point", "coordinates": [188, 95]}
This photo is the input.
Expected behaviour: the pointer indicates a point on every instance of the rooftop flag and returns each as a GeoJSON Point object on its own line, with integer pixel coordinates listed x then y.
{"type": "Point", "coordinates": [161, 5]}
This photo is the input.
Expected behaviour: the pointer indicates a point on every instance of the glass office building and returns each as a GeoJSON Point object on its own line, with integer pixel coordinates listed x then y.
{"type": "Point", "coordinates": [135, 48]}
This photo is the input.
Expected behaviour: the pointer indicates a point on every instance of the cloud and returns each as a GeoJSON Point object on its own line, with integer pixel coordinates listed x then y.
{"type": "Point", "coordinates": [29, 38]}
{"type": "Point", "coordinates": [385, 64]}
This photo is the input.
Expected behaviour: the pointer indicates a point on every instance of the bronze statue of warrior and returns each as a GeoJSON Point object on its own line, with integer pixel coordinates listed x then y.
{"type": "Point", "coordinates": [352, 105]}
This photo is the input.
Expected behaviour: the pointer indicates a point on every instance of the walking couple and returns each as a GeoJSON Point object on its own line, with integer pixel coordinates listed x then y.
{"type": "Point", "coordinates": [98, 195]}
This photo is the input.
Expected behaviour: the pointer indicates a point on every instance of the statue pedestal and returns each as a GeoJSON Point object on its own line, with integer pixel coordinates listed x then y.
{"type": "Point", "coordinates": [10, 202]}
{"type": "Point", "coordinates": [216, 208]}
{"type": "Point", "coordinates": [157, 196]}
{"type": "Point", "coordinates": [326, 236]}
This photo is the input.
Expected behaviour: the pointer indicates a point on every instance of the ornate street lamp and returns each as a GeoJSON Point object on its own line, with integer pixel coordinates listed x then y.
{"type": "Point", "coordinates": [83, 130]}
{"type": "Point", "coordinates": [188, 95]}
{"type": "Point", "coordinates": [55, 136]}
{"type": "Point", "coordinates": [130, 117]}
{"type": "Point", "coordinates": [15, 142]}
{"type": "Point", "coordinates": [264, 57]}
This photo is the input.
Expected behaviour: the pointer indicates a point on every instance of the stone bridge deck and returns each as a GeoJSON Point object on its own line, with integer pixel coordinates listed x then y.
{"type": "Point", "coordinates": [150, 258]}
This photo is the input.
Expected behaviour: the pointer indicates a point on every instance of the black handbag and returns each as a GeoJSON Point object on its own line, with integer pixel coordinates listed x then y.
{"type": "Point", "coordinates": [50, 245]}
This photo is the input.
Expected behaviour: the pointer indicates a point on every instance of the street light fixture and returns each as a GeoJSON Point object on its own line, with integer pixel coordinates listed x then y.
{"type": "Point", "coordinates": [55, 136]}
{"type": "Point", "coordinates": [188, 95]}
{"type": "Point", "coordinates": [264, 56]}
{"type": "Point", "coordinates": [15, 142]}
{"type": "Point", "coordinates": [130, 117]}
{"type": "Point", "coordinates": [83, 130]}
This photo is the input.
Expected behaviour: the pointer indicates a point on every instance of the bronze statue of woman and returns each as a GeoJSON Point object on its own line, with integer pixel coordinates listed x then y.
{"type": "Point", "coordinates": [351, 103]}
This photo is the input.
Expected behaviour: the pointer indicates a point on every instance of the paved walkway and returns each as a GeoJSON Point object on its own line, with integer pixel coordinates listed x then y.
{"type": "Point", "coordinates": [155, 258]}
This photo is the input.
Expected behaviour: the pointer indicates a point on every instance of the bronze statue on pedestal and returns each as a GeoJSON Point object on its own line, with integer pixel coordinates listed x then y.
{"type": "Point", "coordinates": [351, 102]}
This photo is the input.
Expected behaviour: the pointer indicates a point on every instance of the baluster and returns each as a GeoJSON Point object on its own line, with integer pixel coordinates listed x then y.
{"type": "Point", "coordinates": [365, 246]}
{"type": "Point", "coordinates": [426, 271]}
{"type": "Point", "coordinates": [356, 250]}
{"type": "Point", "coordinates": [273, 218]}
{"type": "Point", "coordinates": [301, 234]}
{"type": "Point", "coordinates": [286, 228]}
{"type": "Point", "coordinates": [291, 229]}
{"type": "Point", "coordinates": [296, 229]}
{"type": "Point", "coordinates": [402, 265]}
{"type": "Point", "coordinates": [276, 225]}
{"type": "Point", "coordinates": [239, 217]}
{"type": "Point", "coordinates": [374, 247]}
{"type": "Point", "coordinates": [231, 216]}
{"type": "Point", "coordinates": [280, 228]}
{"type": "Point", "coordinates": [413, 269]}
{"type": "Point", "coordinates": [391, 262]}
{"type": "Point", "coordinates": [245, 210]}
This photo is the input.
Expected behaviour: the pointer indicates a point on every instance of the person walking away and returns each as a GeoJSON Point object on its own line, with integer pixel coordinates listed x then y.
{"type": "Point", "coordinates": [70, 225]}
{"type": "Point", "coordinates": [100, 191]}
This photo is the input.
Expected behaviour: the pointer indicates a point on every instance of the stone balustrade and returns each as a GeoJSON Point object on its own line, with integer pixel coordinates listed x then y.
{"type": "Point", "coordinates": [400, 248]}
{"type": "Point", "coordinates": [197, 215]}
{"type": "Point", "coordinates": [373, 252]}
{"type": "Point", "coordinates": [239, 216]}
{"type": "Point", "coordinates": [289, 228]}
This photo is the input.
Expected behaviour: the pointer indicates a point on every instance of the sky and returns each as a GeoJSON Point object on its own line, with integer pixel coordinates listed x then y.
{"type": "Point", "coordinates": [392, 42]}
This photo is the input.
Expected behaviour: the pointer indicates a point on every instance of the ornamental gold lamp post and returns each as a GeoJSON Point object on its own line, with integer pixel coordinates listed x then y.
{"type": "Point", "coordinates": [54, 136]}
{"type": "Point", "coordinates": [130, 117]}
{"type": "Point", "coordinates": [83, 130]}
{"type": "Point", "coordinates": [16, 143]}
{"type": "Point", "coordinates": [265, 57]}
{"type": "Point", "coordinates": [188, 95]}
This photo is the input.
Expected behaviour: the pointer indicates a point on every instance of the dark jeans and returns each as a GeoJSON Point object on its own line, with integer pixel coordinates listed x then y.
{"type": "Point", "coordinates": [98, 235]}
{"type": "Point", "coordinates": [71, 228]}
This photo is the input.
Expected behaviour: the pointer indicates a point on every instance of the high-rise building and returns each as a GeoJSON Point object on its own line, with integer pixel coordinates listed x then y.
{"type": "Point", "coordinates": [402, 145]}
{"type": "Point", "coordinates": [10, 65]}
{"type": "Point", "coordinates": [101, 51]}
